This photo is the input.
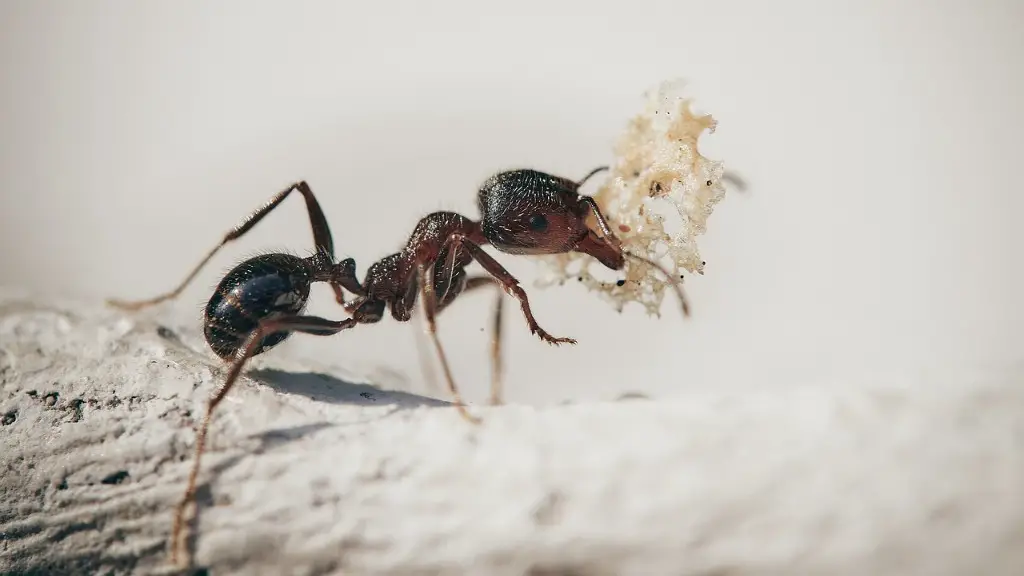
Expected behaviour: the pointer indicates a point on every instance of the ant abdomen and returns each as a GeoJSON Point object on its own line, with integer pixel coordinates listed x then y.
{"type": "Point", "coordinates": [260, 288]}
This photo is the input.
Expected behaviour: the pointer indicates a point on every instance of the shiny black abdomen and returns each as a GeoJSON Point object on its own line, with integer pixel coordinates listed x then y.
{"type": "Point", "coordinates": [263, 287]}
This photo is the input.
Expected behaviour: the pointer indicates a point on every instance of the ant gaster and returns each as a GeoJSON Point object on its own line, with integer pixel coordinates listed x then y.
{"type": "Point", "coordinates": [260, 302]}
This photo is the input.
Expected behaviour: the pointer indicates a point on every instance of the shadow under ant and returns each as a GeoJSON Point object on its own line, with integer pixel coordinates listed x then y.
{"type": "Point", "coordinates": [319, 386]}
{"type": "Point", "coordinates": [327, 388]}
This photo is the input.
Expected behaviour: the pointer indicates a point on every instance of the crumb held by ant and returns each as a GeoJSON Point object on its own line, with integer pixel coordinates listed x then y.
{"type": "Point", "coordinates": [656, 161]}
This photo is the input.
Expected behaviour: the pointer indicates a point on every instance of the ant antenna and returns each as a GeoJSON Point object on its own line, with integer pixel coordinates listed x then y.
{"type": "Point", "coordinates": [589, 174]}
{"type": "Point", "coordinates": [676, 284]}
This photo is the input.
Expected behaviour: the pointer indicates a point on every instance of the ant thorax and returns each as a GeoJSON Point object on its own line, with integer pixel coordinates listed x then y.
{"type": "Point", "coordinates": [657, 167]}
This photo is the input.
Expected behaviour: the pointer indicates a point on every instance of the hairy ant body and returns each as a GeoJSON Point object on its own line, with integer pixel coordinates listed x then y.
{"type": "Point", "coordinates": [259, 303]}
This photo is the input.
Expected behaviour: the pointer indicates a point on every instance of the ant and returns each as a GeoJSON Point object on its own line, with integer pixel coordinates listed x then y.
{"type": "Point", "coordinates": [260, 302]}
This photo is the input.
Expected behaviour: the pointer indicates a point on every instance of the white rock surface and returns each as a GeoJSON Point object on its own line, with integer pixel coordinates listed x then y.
{"type": "Point", "coordinates": [311, 474]}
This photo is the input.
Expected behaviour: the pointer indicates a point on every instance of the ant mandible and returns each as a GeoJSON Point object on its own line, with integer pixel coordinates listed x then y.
{"type": "Point", "coordinates": [259, 303]}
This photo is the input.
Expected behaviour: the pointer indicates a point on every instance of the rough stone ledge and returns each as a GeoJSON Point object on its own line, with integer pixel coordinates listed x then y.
{"type": "Point", "coordinates": [311, 473]}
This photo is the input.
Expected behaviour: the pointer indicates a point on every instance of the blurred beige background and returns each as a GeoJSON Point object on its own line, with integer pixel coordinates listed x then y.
{"type": "Point", "coordinates": [878, 237]}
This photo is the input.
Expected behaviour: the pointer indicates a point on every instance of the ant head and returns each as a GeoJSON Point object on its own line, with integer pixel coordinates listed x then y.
{"type": "Point", "coordinates": [530, 212]}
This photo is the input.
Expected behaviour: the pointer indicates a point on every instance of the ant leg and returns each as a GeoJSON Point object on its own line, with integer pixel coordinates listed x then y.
{"type": "Point", "coordinates": [448, 272]}
{"type": "Point", "coordinates": [430, 312]}
{"type": "Point", "coordinates": [306, 324]}
{"type": "Point", "coordinates": [496, 366]}
{"type": "Point", "coordinates": [509, 283]}
{"type": "Point", "coordinates": [317, 220]}
{"type": "Point", "coordinates": [672, 281]}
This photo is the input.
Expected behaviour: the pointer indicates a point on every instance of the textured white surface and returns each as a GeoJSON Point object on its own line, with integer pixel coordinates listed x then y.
{"type": "Point", "coordinates": [311, 474]}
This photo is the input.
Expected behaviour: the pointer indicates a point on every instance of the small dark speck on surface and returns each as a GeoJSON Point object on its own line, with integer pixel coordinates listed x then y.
{"type": "Point", "coordinates": [115, 478]}
{"type": "Point", "coordinates": [50, 399]}
{"type": "Point", "coordinates": [166, 333]}
{"type": "Point", "coordinates": [10, 417]}
{"type": "Point", "coordinates": [75, 407]}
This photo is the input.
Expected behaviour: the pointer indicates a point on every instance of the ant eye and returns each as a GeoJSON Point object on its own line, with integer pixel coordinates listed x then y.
{"type": "Point", "coordinates": [538, 223]}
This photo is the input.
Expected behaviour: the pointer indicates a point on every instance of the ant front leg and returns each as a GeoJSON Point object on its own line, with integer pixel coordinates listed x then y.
{"type": "Point", "coordinates": [508, 282]}
{"type": "Point", "coordinates": [321, 238]}
{"type": "Point", "coordinates": [306, 324]}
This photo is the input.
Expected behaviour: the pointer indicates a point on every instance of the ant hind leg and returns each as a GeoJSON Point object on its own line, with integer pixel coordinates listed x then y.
{"type": "Point", "coordinates": [321, 237]}
{"type": "Point", "coordinates": [306, 324]}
